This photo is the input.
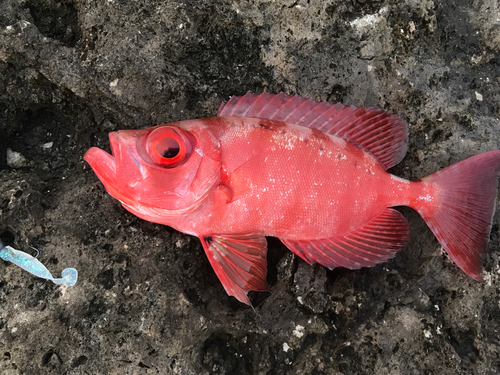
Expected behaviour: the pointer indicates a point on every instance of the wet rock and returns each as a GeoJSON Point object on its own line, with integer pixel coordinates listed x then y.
{"type": "Point", "coordinates": [309, 285]}
{"type": "Point", "coordinates": [16, 159]}
{"type": "Point", "coordinates": [147, 300]}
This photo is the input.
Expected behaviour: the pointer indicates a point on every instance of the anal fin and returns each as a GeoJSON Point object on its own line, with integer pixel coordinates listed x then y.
{"type": "Point", "coordinates": [239, 261]}
{"type": "Point", "coordinates": [375, 242]}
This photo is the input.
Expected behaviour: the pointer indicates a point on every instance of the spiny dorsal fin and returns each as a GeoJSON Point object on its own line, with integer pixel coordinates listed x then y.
{"type": "Point", "coordinates": [382, 134]}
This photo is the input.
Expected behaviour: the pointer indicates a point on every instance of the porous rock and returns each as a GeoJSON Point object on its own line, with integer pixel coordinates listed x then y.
{"type": "Point", "coordinates": [147, 301]}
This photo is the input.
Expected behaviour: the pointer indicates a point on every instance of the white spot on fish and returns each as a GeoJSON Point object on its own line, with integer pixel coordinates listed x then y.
{"type": "Point", "coordinates": [427, 198]}
{"type": "Point", "coordinates": [399, 179]}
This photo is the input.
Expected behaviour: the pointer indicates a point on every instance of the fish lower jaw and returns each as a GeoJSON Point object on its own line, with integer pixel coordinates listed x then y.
{"type": "Point", "coordinates": [160, 215]}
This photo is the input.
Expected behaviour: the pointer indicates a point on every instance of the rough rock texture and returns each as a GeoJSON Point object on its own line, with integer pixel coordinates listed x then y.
{"type": "Point", "coordinates": [147, 301]}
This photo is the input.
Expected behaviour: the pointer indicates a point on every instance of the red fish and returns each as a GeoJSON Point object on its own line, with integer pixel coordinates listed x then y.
{"type": "Point", "coordinates": [312, 174]}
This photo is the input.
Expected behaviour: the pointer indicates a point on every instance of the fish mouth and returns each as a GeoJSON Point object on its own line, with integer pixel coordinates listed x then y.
{"type": "Point", "coordinates": [103, 164]}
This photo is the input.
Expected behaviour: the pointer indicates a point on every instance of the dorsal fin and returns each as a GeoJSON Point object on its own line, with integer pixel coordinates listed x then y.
{"type": "Point", "coordinates": [382, 134]}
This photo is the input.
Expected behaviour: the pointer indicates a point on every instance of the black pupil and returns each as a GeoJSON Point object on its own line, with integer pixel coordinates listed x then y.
{"type": "Point", "coordinates": [168, 147]}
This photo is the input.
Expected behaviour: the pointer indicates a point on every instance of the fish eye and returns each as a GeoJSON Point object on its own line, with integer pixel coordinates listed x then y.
{"type": "Point", "coordinates": [168, 146]}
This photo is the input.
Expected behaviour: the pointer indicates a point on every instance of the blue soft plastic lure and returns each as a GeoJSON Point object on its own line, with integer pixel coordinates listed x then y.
{"type": "Point", "coordinates": [35, 267]}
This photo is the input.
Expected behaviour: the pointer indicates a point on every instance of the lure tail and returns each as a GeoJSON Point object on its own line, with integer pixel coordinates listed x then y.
{"type": "Point", "coordinates": [463, 210]}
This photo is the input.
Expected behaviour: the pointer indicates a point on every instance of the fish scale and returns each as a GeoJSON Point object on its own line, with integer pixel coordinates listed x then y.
{"type": "Point", "coordinates": [302, 178]}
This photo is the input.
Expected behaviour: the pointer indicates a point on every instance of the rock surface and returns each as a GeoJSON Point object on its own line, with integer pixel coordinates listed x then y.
{"type": "Point", "coordinates": [147, 301]}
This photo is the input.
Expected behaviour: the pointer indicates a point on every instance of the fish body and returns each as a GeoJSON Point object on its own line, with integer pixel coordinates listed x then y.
{"type": "Point", "coordinates": [283, 180]}
{"type": "Point", "coordinates": [312, 174]}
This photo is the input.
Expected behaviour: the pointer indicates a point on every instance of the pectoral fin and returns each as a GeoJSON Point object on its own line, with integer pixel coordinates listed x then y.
{"type": "Point", "coordinates": [239, 260]}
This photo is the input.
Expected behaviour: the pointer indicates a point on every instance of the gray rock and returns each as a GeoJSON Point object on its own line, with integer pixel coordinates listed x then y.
{"type": "Point", "coordinates": [16, 159]}
{"type": "Point", "coordinates": [147, 300]}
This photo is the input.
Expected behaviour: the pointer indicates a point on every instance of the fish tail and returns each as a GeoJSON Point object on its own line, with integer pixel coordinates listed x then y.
{"type": "Point", "coordinates": [461, 213]}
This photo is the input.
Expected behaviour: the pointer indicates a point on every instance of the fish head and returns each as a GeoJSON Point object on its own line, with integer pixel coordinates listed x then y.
{"type": "Point", "coordinates": [166, 170]}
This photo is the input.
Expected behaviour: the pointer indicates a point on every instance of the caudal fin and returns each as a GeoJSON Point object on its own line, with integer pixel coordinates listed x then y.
{"type": "Point", "coordinates": [461, 219]}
